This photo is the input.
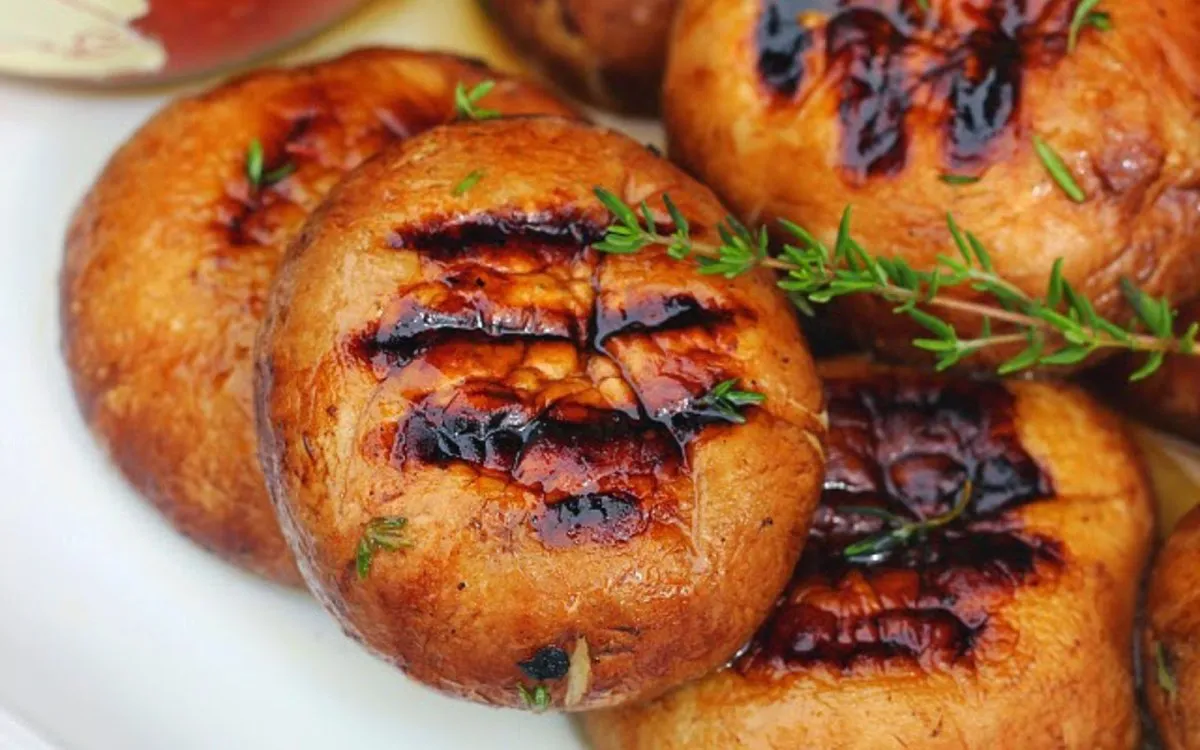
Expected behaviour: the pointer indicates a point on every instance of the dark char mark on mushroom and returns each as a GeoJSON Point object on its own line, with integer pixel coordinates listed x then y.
{"type": "Point", "coordinates": [309, 134]}
{"type": "Point", "coordinates": [964, 63]}
{"type": "Point", "coordinates": [549, 663]}
{"type": "Point", "coordinates": [591, 465]}
{"type": "Point", "coordinates": [908, 444]}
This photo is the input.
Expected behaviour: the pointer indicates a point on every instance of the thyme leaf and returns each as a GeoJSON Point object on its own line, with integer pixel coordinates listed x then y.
{"type": "Point", "coordinates": [536, 699]}
{"type": "Point", "coordinates": [1058, 170]}
{"type": "Point", "coordinates": [726, 401]}
{"type": "Point", "coordinates": [468, 182]}
{"type": "Point", "coordinates": [1086, 15]}
{"type": "Point", "coordinates": [383, 533]}
{"type": "Point", "coordinates": [1163, 671]}
{"type": "Point", "coordinates": [465, 101]}
{"type": "Point", "coordinates": [878, 547]}
{"type": "Point", "coordinates": [1059, 328]}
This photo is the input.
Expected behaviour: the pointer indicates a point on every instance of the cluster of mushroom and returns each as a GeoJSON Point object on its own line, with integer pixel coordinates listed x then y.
{"type": "Point", "coordinates": [529, 408]}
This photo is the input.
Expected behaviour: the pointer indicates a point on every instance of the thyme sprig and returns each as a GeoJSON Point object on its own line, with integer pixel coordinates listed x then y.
{"type": "Point", "coordinates": [383, 533]}
{"type": "Point", "coordinates": [1164, 674]}
{"type": "Point", "coordinates": [1059, 328]}
{"type": "Point", "coordinates": [1058, 170]}
{"type": "Point", "coordinates": [903, 531]}
{"type": "Point", "coordinates": [727, 401]}
{"type": "Point", "coordinates": [465, 101]}
{"type": "Point", "coordinates": [1086, 15]}
{"type": "Point", "coordinates": [256, 171]}
{"type": "Point", "coordinates": [536, 699]}
{"type": "Point", "coordinates": [468, 182]}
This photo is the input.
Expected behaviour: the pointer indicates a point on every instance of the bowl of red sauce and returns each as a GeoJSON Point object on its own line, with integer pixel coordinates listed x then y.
{"type": "Point", "coordinates": [129, 41]}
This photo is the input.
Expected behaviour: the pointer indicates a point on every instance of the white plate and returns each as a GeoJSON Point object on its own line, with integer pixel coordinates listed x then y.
{"type": "Point", "coordinates": [114, 631]}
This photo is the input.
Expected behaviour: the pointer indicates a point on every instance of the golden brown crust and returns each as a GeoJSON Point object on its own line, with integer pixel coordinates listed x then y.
{"type": "Point", "coordinates": [1171, 638]}
{"type": "Point", "coordinates": [608, 52]}
{"type": "Point", "coordinates": [1170, 398]}
{"type": "Point", "coordinates": [1049, 665]}
{"type": "Point", "coordinates": [853, 125]}
{"type": "Point", "coordinates": [170, 255]}
{"type": "Point", "coordinates": [529, 406]}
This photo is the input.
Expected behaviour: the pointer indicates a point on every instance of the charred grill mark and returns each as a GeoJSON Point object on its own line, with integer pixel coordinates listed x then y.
{"type": "Point", "coordinates": [604, 468]}
{"type": "Point", "coordinates": [418, 329]}
{"type": "Point", "coordinates": [596, 518]}
{"type": "Point", "coordinates": [964, 63]}
{"type": "Point", "coordinates": [782, 41]}
{"type": "Point", "coordinates": [655, 315]}
{"type": "Point", "coordinates": [549, 663]}
{"type": "Point", "coordinates": [312, 137]}
{"type": "Point", "coordinates": [908, 444]}
{"type": "Point", "coordinates": [454, 235]}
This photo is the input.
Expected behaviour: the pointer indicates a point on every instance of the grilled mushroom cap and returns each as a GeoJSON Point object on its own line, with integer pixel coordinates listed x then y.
{"type": "Point", "coordinates": [170, 256]}
{"type": "Point", "coordinates": [608, 52]}
{"type": "Point", "coordinates": [1171, 638]}
{"type": "Point", "coordinates": [536, 414]}
{"type": "Point", "coordinates": [969, 581]}
{"type": "Point", "coordinates": [797, 109]}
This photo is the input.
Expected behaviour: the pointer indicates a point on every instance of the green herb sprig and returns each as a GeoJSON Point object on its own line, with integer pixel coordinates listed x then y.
{"type": "Point", "coordinates": [1058, 329]}
{"type": "Point", "coordinates": [536, 699]}
{"type": "Point", "coordinates": [1058, 170]}
{"type": "Point", "coordinates": [1086, 15]}
{"type": "Point", "coordinates": [256, 172]}
{"type": "Point", "coordinates": [727, 401]}
{"type": "Point", "coordinates": [1164, 674]}
{"type": "Point", "coordinates": [958, 179]}
{"type": "Point", "coordinates": [903, 531]}
{"type": "Point", "coordinates": [383, 533]}
{"type": "Point", "coordinates": [465, 101]}
{"type": "Point", "coordinates": [468, 182]}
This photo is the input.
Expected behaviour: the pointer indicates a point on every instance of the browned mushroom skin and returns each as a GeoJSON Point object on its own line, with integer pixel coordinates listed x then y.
{"type": "Point", "coordinates": [1006, 627]}
{"type": "Point", "coordinates": [908, 445]}
{"type": "Point", "coordinates": [796, 109]}
{"type": "Point", "coordinates": [959, 64]}
{"type": "Point", "coordinates": [605, 473]}
{"type": "Point", "coordinates": [607, 52]}
{"type": "Point", "coordinates": [536, 411]}
{"type": "Point", "coordinates": [171, 254]}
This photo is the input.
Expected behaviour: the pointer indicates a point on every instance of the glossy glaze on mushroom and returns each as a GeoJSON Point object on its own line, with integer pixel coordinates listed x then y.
{"type": "Point", "coordinates": [170, 256]}
{"type": "Point", "coordinates": [608, 52]}
{"type": "Point", "coordinates": [904, 110]}
{"type": "Point", "coordinates": [496, 450]}
{"type": "Point", "coordinates": [1004, 622]}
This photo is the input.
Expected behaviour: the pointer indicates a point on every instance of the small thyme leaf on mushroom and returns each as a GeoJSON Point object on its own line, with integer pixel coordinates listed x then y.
{"type": "Point", "coordinates": [958, 179]}
{"type": "Point", "coordinates": [1059, 328]}
{"type": "Point", "coordinates": [902, 532]}
{"type": "Point", "coordinates": [280, 173]}
{"type": "Point", "coordinates": [254, 163]}
{"type": "Point", "coordinates": [1086, 15]}
{"type": "Point", "coordinates": [923, 5]}
{"type": "Point", "coordinates": [383, 533]}
{"type": "Point", "coordinates": [1058, 170]}
{"type": "Point", "coordinates": [465, 101]}
{"type": "Point", "coordinates": [727, 401]}
{"type": "Point", "coordinates": [468, 182]}
{"type": "Point", "coordinates": [536, 699]}
{"type": "Point", "coordinates": [256, 172]}
{"type": "Point", "coordinates": [1164, 672]}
